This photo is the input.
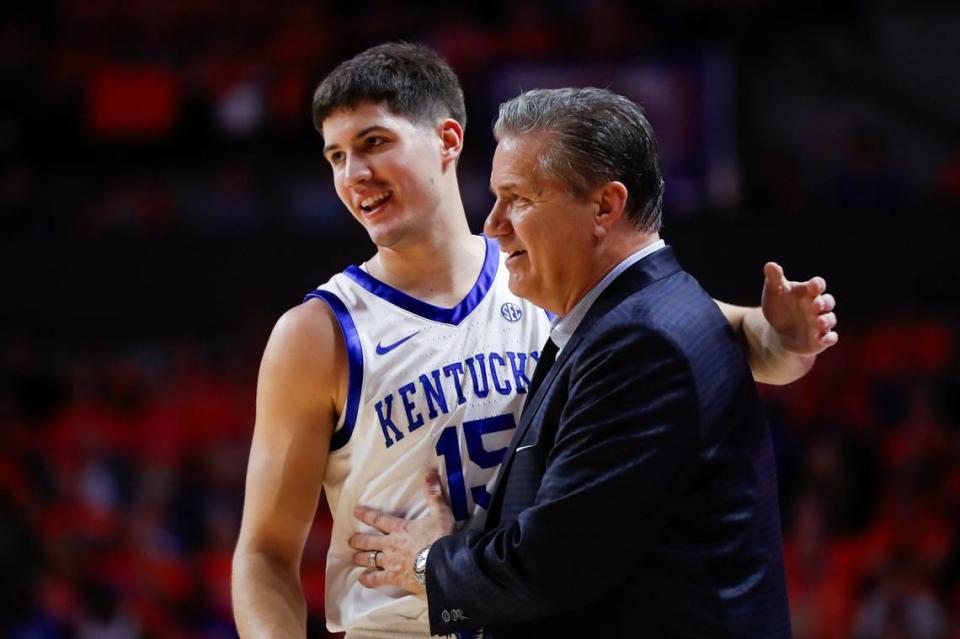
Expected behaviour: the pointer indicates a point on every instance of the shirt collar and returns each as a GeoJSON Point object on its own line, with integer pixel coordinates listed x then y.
{"type": "Point", "coordinates": [563, 328]}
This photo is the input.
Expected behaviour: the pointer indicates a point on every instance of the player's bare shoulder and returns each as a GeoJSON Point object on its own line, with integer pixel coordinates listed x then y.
{"type": "Point", "coordinates": [297, 394]}
{"type": "Point", "coordinates": [305, 361]}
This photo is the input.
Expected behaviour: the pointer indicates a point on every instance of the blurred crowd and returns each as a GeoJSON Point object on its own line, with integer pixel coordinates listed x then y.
{"type": "Point", "coordinates": [125, 92]}
{"type": "Point", "coordinates": [869, 458]}
{"type": "Point", "coordinates": [121, 485]}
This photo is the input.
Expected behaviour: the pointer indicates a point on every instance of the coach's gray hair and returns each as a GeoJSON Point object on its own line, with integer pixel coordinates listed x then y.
{"type": "Point", "coordinates": [597, 136]}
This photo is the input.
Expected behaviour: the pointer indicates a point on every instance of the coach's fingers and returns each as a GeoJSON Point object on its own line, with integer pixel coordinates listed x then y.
{"type": "Point", "coordinates": [361, 541]}
{"type": "Point", "coordinates": [434, 491]}
{"type": "Point", "coordinates": [379, 520]}
{"type": "Point", "coordinates": [368, 559]}
{"type": "Point", "coordinates": [376, 579]}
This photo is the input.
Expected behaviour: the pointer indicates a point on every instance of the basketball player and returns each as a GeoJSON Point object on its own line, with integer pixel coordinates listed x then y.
{"type": "Point", "coordinates": [419, 358]}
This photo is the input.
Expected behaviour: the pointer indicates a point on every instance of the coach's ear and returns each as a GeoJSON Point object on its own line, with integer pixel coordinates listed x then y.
{"type": "Point", "coordinates": [451, 140]}
{"type": "Point", "coordinates": [611, 202]}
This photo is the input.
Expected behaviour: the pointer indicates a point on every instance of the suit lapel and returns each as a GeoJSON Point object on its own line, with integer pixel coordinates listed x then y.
{"type": "Point", "coordinates": [650, 269]}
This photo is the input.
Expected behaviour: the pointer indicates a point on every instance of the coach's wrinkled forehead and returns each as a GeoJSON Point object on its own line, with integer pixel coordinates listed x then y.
{"type": "Point", "coordinates": [598, 136]}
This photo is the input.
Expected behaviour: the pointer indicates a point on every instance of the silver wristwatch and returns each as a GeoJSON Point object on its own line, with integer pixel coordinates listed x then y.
{"type": "Point", "coordinates": [420, 566]}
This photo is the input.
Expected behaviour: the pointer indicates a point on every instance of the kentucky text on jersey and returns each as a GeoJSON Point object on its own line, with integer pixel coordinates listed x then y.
{"type": "Point", "coordinates": [441, 389]}
{"type": "Point", "coordinates": [428, 387]}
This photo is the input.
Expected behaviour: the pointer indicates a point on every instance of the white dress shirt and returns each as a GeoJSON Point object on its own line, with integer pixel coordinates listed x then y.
{"type": "Point", "coordinates": [563, 328]}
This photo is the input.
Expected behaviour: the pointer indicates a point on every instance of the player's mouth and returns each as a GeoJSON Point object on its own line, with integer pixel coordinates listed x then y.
{"type": "Point", "coordinates": [373, 203]}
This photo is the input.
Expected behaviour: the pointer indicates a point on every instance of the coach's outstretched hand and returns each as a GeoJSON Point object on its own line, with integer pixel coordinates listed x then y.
{"type": "Point", "coordinates": [389, 557]}
{"type": "Point", "coordinates": [801, 313]}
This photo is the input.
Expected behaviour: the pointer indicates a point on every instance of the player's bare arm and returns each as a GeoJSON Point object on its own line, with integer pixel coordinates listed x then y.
{"type": "Point", "coordinates": [794, 323]}
{"type": "Point", "coordinates": [302, 383]}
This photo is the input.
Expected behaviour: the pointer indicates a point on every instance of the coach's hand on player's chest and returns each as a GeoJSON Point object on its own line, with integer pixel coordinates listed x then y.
{"type": "Point", "coordinates": [389, 557]}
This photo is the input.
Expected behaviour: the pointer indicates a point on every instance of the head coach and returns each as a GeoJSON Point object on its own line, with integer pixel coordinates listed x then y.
{"type": "Point", "coordinates": [638, 496]}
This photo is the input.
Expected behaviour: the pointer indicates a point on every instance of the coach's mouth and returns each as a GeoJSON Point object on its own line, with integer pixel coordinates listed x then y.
{"type": "Point", "coordinates": [515, 255]}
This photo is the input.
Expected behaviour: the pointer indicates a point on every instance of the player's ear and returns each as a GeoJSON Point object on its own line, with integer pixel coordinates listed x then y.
{"type": "Point", "coordinates": [451, 139]}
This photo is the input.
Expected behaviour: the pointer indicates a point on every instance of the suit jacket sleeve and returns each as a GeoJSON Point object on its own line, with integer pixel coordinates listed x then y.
{"type": "Point", "coordinates": [624, 450]}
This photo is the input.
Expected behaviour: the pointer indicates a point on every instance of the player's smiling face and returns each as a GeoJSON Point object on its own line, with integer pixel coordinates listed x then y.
{"type": "Point", "coordinates": [542, 226]}
{"type": "Point", "coordinates": [385, 169]}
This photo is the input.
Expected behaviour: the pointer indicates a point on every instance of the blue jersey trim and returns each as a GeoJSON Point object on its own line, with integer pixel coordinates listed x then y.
{"type": "Point", "coordinates": [550, 316]}
{"type": "Point", "coordinates": [451, 316]}
{"type": "Point", "coordinates": [354, 368]}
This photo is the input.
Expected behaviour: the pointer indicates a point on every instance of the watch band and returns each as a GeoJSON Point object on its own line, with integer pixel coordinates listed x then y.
{"type": "Point", "coordinates": [420, 566]}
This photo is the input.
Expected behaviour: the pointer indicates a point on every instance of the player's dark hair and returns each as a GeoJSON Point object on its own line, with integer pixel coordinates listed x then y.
{"type": "Point", "coordinates": [411, 79]}
{"type": "Point", "coordinates": [597, 136]}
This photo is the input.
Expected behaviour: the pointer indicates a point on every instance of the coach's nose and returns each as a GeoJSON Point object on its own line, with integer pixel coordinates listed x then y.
{"type": "Point", "coordinates": [497, 224]}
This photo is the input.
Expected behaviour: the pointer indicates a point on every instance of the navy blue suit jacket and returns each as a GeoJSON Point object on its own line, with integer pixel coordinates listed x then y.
{"type": "Point", "coordinates": [638, 497]}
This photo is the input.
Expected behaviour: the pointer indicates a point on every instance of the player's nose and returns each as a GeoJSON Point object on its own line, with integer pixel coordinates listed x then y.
{"type": "Point", "coordinates": [357, 169]}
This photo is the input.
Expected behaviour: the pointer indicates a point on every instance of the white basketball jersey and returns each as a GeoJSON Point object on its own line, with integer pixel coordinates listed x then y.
{"type": "Point", "coordinates": [429, 387]}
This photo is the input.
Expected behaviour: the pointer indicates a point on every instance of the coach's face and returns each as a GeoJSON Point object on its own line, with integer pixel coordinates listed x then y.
{"type": "Point", "coordinates": [547, 231]}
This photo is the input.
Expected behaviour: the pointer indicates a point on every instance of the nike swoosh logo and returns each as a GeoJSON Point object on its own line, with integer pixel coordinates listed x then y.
{"type": "Point", "coordinates": [383, 350]}
{"type": "Point", "coordinates": [519, 448]}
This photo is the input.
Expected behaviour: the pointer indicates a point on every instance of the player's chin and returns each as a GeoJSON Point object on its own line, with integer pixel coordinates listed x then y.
{"type": "Point", "coordinates": [387, 233]}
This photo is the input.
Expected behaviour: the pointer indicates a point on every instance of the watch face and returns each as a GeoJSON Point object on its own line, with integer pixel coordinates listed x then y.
{"type": "Point", "coordinates": [420, 567]}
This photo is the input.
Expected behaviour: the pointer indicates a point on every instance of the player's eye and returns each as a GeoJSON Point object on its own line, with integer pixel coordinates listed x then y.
{"type": "Point", "coordinates": [335, 158]}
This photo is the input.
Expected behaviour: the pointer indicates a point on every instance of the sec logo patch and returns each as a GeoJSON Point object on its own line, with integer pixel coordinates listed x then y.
{"type": "Point", "coordinates": [511, 312]}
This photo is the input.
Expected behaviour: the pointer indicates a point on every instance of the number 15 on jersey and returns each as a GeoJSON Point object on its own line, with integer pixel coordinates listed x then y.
{"type": "Point", "coordinates": [448, 447]}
